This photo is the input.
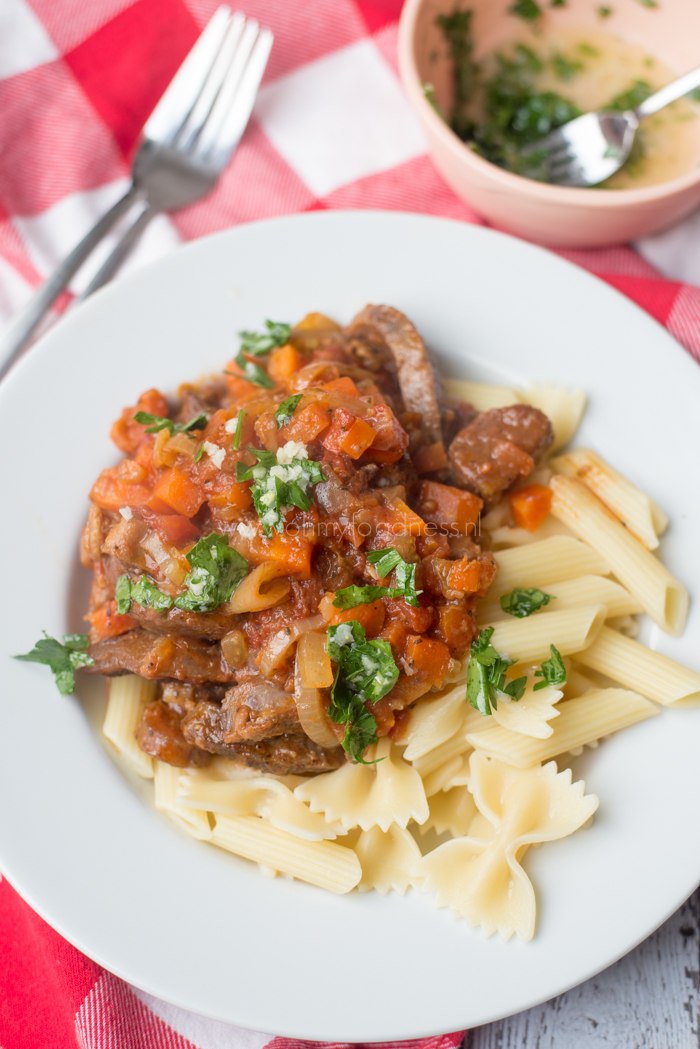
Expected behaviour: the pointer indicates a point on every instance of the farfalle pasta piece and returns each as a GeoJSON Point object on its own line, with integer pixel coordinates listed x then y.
{"type": "Point", "coordinates": [452, 810]}
{"type": "Point", "coordinates": [433, 721]}
{"type": "Point", "coordinates": [389, 791]}
{"type": "Point", "coordinates": [194, 821]}
{"type": "Point", "coordinates": [387, 859]}
{"type": "Point", "coordinates": [454, 772]}
{"type": "Point", "coordinates": [482, 881]}
{"type": "Point", "coordinates": [531, 713]}
{"type": "Point", "coordinates": [259, 796]}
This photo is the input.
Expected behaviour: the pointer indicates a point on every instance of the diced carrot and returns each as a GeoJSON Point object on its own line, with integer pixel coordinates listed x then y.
{"type": "Point", "coordinates": [395, 632]}
{"type": "Point", "coordinates": [342, 422]}
{"type": "Point", "coordinates": [215, 423]}
{"type": "Point", "coordinates": [448, 507]}
{"type": "Point", "coordinates": [317, 322]}
{"type": "Point", "coordinates": [293, 553]}
{"type": "Point", "coordinates": [106, 623]}
{"type": "Point", "coordinates": [530, 506]}
{"type": "Point", "coordinates": [399, 519]}
{"type": "Point", "coordinates": [283, 362]}
{"type": "Point", "coordinates": [465, 575]}
{"type": "Point", "coordinates": [344, 386]}
{"type": "Point", "coordinates": [179, 491]}
{"type": "Point", "coordinates": [391, 439]}
{"type": "Point", "coordinates": [238, 387]}
{"type": "Point", "coordinates": [126, 433]}
{"type": "Point", "coordinates": [430, 459]}
{"type": "Point", "coordinates": [307, 424]}
{"type": "Point", "coordinates": [370, 616]}
{"type": "Point", "coordinates": [232, 494]}
{"type": "Point", "coordinates": [357, 439]}
{"type": "Point", "coordinates": [112, 493]}
{"type": "Point", "coordinates": [428, 658]}
{"type": "Point", "coordinates": [174, 528]}
{"type": "Point", "coordinates": [456, 626]}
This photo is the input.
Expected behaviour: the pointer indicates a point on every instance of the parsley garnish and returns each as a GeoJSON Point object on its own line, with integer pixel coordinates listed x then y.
{"type": "Point", "coordinates": [64, 659]}
{"type": "Point", "coordinates": [486, 676]}
{"type": "Point", "coordinates": [154, 423]}
{"type": "Point", "coordinates": [239, 430]}
{"type": "Point", "coordinates": [217, 569]}
{"type": "Point", "coordinates": [384, 561]}
{"type": "Point", "coordinates": [528, 10]}
{"type": "Point", "coordinates": [286, 410]}
{"type": "Point", "coordinates": [144, 593]}
{"type": "Point", "coordinates": [199, 454]}
{"type": "Point", "coordinates": [522, 602]}
{"type": "Point", "coordinates": [604, 12]}
{"type": "Point", "coordinates": [366, 671]}
{"type": "Point", "coordinates": [257, 344]}
{"type": "Point", "coordinates": [553, 671]}
{"type": "Point", "coordinates": [252, 372]}
{"type": "Point", "coordinates": [278, 485]}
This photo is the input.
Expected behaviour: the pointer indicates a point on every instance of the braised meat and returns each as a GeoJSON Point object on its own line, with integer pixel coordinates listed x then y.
{"type": "Point", "coordinates": [258, 710]}
{"type": "Point", "coordinates": [155, 656]}
{"type": "Point", "coordinates": [159, 734]}
{"type": "Point", "coordinates": [280, 756]}
{"type": "Point", "coordinates": [499, 446]}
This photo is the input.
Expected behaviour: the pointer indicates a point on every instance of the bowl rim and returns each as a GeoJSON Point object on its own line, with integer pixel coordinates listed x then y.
{"type": "Point", "coordinates": [540, 191]}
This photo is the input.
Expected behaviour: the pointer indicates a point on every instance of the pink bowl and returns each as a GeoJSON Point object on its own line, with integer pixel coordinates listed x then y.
{"type": "Point", "coordinates": [561, 217]}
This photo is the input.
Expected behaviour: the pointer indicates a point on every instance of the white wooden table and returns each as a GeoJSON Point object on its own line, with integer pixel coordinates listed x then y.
{"type": "Point", "coordinates": [650, 999]}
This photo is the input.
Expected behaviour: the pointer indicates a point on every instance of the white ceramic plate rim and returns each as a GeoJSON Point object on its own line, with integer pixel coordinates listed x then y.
{"type": "Point", "coordinates": [82, 843]}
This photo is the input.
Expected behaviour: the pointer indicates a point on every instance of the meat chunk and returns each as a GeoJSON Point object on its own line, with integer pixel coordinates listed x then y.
{"type": "Point", "coordinates": [155, 657]}
{"type": "Point", "coordinates": [159, 734]}
{"type": "Point", "coordinates": [258, 710]}
{"type": "Point", "coordinates": [287, 754]}
{"type": "Point", "coordinates": [417, 379]}
{"type": "Point", "coordinates": [210, 625]}
{"type": "Point", "coordinates": [499, 446]}
{"type": "Point", "coordinates": [123, 545]}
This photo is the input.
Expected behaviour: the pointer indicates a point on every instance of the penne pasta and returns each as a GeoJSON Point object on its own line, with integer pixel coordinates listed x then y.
{"type": "Point", "coordinates": [481, 395]}
{"type": "Point", "coordinates": [194, 821]}
{"type": "Point", "coordinates": [636, 510]}
{"type": "Point", "coordinates": [323, 863]}
{"type": "Point", "coordinates": [249, 595]}
{"type": "Point", "coordinates": [660, 593]}
{"type": "Point", "coordinates": [529, 639]}
{"type": "Point", "coordinates": [564, 408]}
{"type": "Point", "coordinates": [572, 593]}
{"type": "Point", "coordinates": [548, 561]}
{"type": "Point", "coordinates": [128, 695]}
{"type": "Point", "coordinates": [580, 721]}
{"type": "Point", "coordinates": [637, 667]}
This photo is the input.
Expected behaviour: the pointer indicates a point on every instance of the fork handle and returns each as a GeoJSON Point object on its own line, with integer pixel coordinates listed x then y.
{"type": "Point", "coordinates": [120, 252]}
{"type": "Point", "coordinates": [22, 329]}
{"type": "Point", "coordinates": [673, 91]}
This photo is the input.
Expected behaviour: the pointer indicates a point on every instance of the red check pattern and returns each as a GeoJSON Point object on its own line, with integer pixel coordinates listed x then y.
{"type": "Point", "coordinates": [77, 82]}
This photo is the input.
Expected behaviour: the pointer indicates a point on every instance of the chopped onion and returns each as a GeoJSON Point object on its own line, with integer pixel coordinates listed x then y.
{"type": "Point", "coordinates": [312, 716]}
{"type": "Point", "coordinates": [234, 648]}
{"type": "Point", "coordinates": [169, 561]}
{"type": "Point", "coordinates": [279, 644]}
{"type": "Point", "coordinates": [314, 663]}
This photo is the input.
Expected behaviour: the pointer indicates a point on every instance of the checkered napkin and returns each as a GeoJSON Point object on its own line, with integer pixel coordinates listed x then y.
{"type": "Point", "coordinates": [331, 129]}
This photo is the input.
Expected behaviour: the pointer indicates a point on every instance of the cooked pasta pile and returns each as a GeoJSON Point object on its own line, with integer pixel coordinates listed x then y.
{"type": "Point", "coordinates": [489, 782]}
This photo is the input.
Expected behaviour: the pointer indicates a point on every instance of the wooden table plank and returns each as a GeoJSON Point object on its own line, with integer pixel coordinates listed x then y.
{"type": "Point", "coordinates": [650, 999]}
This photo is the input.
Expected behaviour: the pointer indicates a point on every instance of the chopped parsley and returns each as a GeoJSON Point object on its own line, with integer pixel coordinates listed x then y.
{"type": "Point", "coordinates": [281, 481]}
{"type": "Point", "coordinates": [486, 676]}
{"type": "Point", "coordinates": [154, 423]}
{"type": "Point", "coordinates": [553, 671]}
{"type": "Point", "coordinates": [564, 68]}
{"type": "Point", "coordinates": [365, 672]}
{"type": "Point", "coordinates": [64, 659]}
{"type": "Point", "coordinates": [528, 10]}
{"type": "Point", "coordinates": [522, 602]}
{"type": "Point", "coordinates": [603, 11]}
{"type": "Point", "coordinates": [252, 372]}
{"type": "Point", "coordinates": [384, 561]}
{"type": "Point", "coordinates": [286, 410]}
{"type": "Point", "coordinates": [239, 430]}
{"type": "Point", "coordinates": [257, 344]}
{"type": "Point", "coordinates": [217, 569]}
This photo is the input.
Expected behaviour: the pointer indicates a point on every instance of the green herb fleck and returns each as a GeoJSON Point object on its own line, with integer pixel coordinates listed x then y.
{"type": "Point", "coordinates": [252, 372]}
{"type": "Point", "coordinates": [279, 485]}
{"type": "Point", "coordinates": [564, 68]}
{"type": "Point", "coordinates": [486, 675]}
{"type": "Point", "coordinates": [694, 95]}
{"type": "Point", "coordinates": [528, 10]}
{"type": "Point", "coordinates": [144, 593]}
{"type": "Point", "coordinates": [384, 561]}
{"type": "Point", "coordinates": [522, 602]}
{"type": "Point", "coordinates": [217, 569]}
{"type": "Point", "coordinates": [604, 12]}
{"type": "Point", "coordinates": [64, 659]}
{"type": "Point", "coordinates": [557, 3]}
{"type": "Point", "coordinates": [154, 423]}
{"type": "Point", "coordinates": [199, 454]}
{"type": "Point", "coordinates": [286, 410]}
{"type": "Point", "coordinates": [553, 671]}
{"type": "Point", "coordinates": [457, 31]}
{"type": "Point", "coordinates": [239, 430]}
{"type": "Point", "coordinates": [429, 92]}
{"type": "Point", "coordinates": [632, 97]}
{"type": "Point", "coordinates": [648, 3]}
{"type": "Point", "coordinates": [257, 344]}
{"type": "Point", "coordinates": [365, 672]}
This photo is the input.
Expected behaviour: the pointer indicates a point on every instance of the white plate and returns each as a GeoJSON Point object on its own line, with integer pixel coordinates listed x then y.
{"type": "Point", "coordinates": [190, 923]}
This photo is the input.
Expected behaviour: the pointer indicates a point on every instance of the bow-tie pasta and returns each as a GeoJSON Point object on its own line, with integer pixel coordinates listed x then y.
{"type": "Point", "coordinates": [387, 859]}
{"type": "Point", "coordinates": [483, 882]}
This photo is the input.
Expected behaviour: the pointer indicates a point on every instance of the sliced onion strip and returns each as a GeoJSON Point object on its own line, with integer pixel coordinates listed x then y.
{"type": "Point", "coordinates": [312, 716]}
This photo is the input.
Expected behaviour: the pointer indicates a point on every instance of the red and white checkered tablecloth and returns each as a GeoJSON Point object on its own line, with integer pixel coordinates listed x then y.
{"type": "Point", "coordinates": [331, 129]}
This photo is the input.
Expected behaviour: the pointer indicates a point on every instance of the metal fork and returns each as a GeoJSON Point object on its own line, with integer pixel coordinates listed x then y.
{"type": "Point", "coordinates": [187, 142]}
{"type": "Point", "coordinates": [593, 147]}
